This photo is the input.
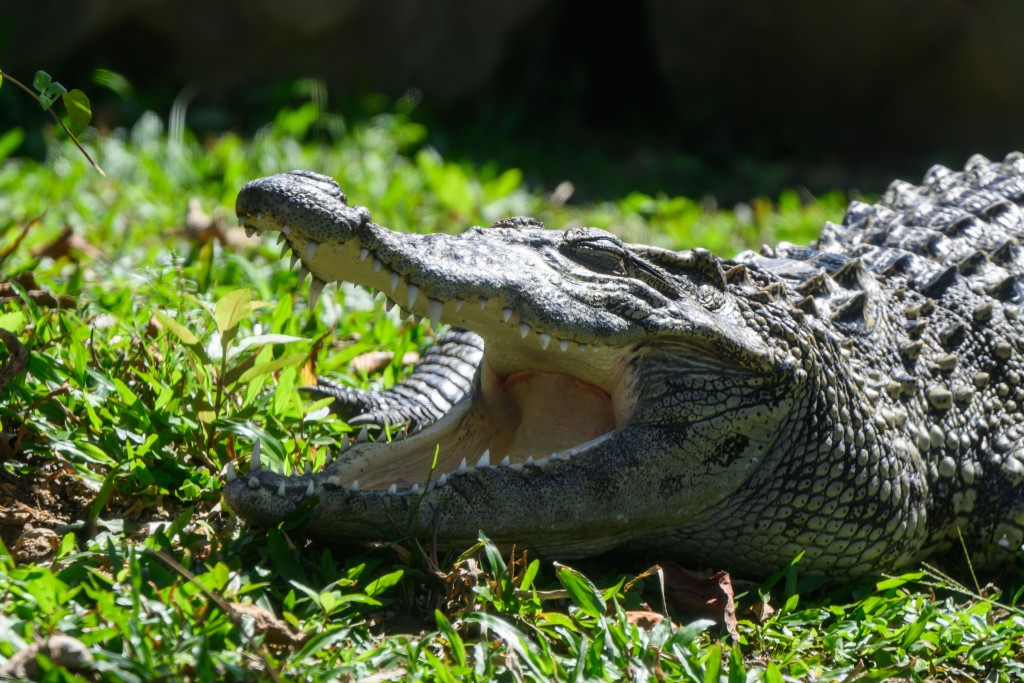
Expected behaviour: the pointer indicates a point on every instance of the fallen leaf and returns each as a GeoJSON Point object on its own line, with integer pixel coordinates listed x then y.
{"type": "Point", "coordinates": [277, 632]}
{"type": "Point", "coordinates": [68, 244]}
{"type": "Point", "coordinates": [201, 227]}
{"type": "Point", "coordinates": [711, 596]}
{"type": "Point", "coordinates": [644, 619]}
{"type": "Point", "coordinates": [35, 546]}
{"type": "Point", "coordinates": [62, 650]}
{"type": "Point", "coordinates": [760, 612]}
{"type": "Point", "coordinates": [372, 361]}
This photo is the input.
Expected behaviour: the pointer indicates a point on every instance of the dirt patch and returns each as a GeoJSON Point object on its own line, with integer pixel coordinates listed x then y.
{"type": "Point", "coordinates": [38, 506]}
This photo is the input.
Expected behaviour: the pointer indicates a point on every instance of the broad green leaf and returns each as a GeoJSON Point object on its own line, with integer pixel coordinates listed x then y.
{"type": "Point", "coordinates": [898, 581]}
{"type": "Point", "coordinates": [41, 81]}
{"type": "Point", "coordinates": [10, 141]}
{"type": "Point", "coordinates": [322, 641]}
{"type": "Point", "coordinates": [689, 633]}
{"type": "Point", "coordinates": [528, 576]}
{"type": "Point", "coordinates": [772, 673]}
{"type": "Point", "coordinates": [290, 360]}
{"type": "Point", "coordinates": [232, 309]}
{"type": "Point", "coordinates": [114, 82]}
{"type": "Point", "coordinates": [176, 328]}
{"type": "Point", "coordinates": [49, 89]}
{"type": "Point", "coordinates": [713, 662]}
{"type": "Point", "coordinates": [584, 594]}
{"type": "Point", "coordinates": [452, 636]}
{"type": "Point", "coordinates": [263, 340]}
{"type": "Point", "coordinates": [79, 110]}
{"type": "Point", "coordinates": [13, 321]}
{"type": "Point", "coordinates": [503, 185]}
{"type": "Point", "coordinates": [378, 586]}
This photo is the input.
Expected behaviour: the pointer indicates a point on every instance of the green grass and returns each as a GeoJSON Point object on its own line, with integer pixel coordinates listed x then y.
{"type": "Point", "coordinates": [179, 352]}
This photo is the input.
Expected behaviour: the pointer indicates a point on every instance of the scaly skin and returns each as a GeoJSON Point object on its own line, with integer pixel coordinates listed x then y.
{"type": "Point", "coordinates": [859, 400]}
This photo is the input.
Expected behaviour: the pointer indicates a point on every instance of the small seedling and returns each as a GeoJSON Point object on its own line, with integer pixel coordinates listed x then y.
{"type": "Point", "coordinates": [76, 104]}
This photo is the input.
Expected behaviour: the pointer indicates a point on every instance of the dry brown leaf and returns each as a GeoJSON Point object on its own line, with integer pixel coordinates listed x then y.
{"type": "Point", "coordinates": [35, 546]}
{"type": "Point", "coordinates": [711, 596]}
{"type": "Point", "coordinates": [277, 632]}
{"type": "Point", "coordinates": [372, 361]}
{"type": "Point", "coordinates": [62, 650]}
{"type": "Point", "coordinates": [644, 618]}
{"type": "Point", "coordinates": [201, 227]}
{"type": "Point", "coordinates": [68, 244]}
{"type": "Point", "coordinates": [39, 297]}
{"type": "Point", "coordinates": [760, 612]}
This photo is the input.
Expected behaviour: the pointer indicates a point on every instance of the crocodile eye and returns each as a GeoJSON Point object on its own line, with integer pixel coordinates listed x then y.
{"type": "Point", "coordinates": [605, 253]}
{"type": "Point", "coordinates": [599, 259]}
{"type": "Point", "coordinates": [598, 252]}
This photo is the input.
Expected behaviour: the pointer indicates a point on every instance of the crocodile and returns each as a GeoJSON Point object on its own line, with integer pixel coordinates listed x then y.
{"type": "Point", "coordinates": [857, 402]}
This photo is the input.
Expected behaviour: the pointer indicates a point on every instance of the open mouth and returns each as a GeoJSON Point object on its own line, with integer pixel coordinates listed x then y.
{"type": "Point", "coordinates": [536, 396]}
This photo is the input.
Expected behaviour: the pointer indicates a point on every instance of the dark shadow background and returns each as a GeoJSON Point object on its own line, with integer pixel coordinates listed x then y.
{"type": "Point", "coordinates": [731, 98]}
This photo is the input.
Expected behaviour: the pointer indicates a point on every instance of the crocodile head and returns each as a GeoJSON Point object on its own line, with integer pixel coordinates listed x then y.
{"type": "Point", "coordinates": [624, 392]}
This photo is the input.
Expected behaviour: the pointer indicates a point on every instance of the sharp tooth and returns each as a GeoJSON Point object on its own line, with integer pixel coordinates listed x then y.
{"type": "Point", "coordinates": [462, 466]}
{"type": "Point", "coordinates": [529, 460]}
{"type": "Point", "coordinates": [485, 459]}
{"type": "Point", "coordinates": [395, 279]}
{"type": "Point", "coordinates": [229, 472]}
{"type": "Point", "coordinates": [311, 247]}
{"type": "Point", "coordinates": [363, 253]}
{"type": "Point", "coordinates": [596, 349]}
{"type": "Point", "coordinates": [377, 265]}
{"type": "Point", "coordinates": [286, 229]}
{"type": "Point", "coordinates": [564, 344]}
{"type": "Point", "coordinates": [505, 462]}
{"type": "Point", "coordinates": [545, 339]}
{"type": "Point", "coordinates": [442, 480]}
{"type": "Point", "coordinates": [280, 490]}
{"type": "Point", "coordinates": [458, 305]}
{"type": "Point", "coordinates": [254, 460]}
{"type": "Point", "coordinates": [316, 286]}
{"type": "Point", "coordinates": [415, 488]}
{"type": "Point", "coordinates": [364, 435]}
{"type": "Point", "coordinates": [388, 304]}
{"type": "Point", "coordinates": [303, 272]}
{"type": "Point", "coordinates": [506, 313]}
{"type": "Point", "coordinates": [249, 232]}
{"type": "Point", "coordinates": [393, 489]}
{"type": "Point", "coordinates": [411, 296]}
{"type": "Point", "coordinates": [435, 307]}
{"type": "Point", "coordinates": [355, 486]}
{"type": "Point", "coordinates": [310, 489]}
{"type": "Point", "coordinates": [328, 458]}
{"type": "Point", "coordinates": [483, 302]}
{"type": "Point", "coordinates": [280, 468]}
{"type": "Point", "coordinates": [344, 442]}
{"type": "Point", "coordinates": [334, 480]}
{"type": "Point", "coordinates": [284, 250]}
{"type": "Point", "coordinates": [282, 238]}
{"type": "Point", "coordinates": [307, 469]}
{"type": "Point", "coordinates": [524, 330]}
{"type": "Point", "coordinates": [295, 259]}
